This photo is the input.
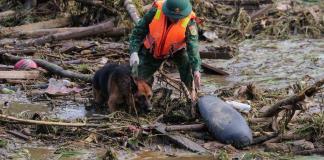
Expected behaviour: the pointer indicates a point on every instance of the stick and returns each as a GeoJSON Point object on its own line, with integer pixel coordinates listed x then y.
{"type": "Point", "coordinates": [179, 83]}
{"type": "Point", "coordinates": [280, 138]}
{"type": "Point", "coordinates": [191, 127]}
{"type": "Point", "coordinates": [53, 68]}
{"type": "Point", "coordinates": [19, 51]}
{"type": "Point", "coordinates": [19, 135]}
{"type": "Point", "coordinates": [264, 138]}
{"type": "Point", "coordinates": [35, 122]}
{"type": "Point", "coordinates": [312, 151]}
{"type": "Point", "coordinates": [277, 107]}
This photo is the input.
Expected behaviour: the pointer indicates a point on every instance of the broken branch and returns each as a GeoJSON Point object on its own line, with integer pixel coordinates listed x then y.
{"type": "Point", "coordinates": [277, 107]}
{"type": "Point", "coordinates": [35, 122]}
{"type": "Point", "coordinates": [53, 68]}
{"type": "Point", "coordinates": [191, 127]}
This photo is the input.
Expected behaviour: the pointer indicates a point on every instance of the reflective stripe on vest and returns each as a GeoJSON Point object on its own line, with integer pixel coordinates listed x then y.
{"type": "Point", "coordinates": [162, 40]}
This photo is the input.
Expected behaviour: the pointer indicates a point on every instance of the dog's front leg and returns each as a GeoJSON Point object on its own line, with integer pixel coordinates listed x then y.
{"type": "Point", "coordinates": [112, 102]}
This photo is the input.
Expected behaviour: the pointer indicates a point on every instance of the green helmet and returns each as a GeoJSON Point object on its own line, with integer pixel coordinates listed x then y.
{"type": "Point", "coordinates": [177, 9]}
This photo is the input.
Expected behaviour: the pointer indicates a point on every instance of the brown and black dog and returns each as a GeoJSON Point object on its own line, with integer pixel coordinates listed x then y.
{"type": "Point", "coordinates": [114, 85]}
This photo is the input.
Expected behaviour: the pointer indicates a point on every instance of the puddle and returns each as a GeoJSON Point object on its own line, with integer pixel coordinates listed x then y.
{"type": "Point", "coordinates": [313, 157]}
{"type": "Point", "coordinates": [14, 108]}
{"type": "Point", "coordinates": [70, 111]}
{"type": "Point", "coordinates": [40, 153]}
{"type": "Point", "coordinates": [162, 156]}
{"type": "Point", "coordinates": [49, 153]}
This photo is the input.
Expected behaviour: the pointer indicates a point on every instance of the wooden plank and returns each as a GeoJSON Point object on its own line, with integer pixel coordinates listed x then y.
{"type": "Point", "coordinates": [19, 74]}
{"type": "Point", "coordinates": [209, 68]}
{"type": "Point", "coordinates": [180, 140]}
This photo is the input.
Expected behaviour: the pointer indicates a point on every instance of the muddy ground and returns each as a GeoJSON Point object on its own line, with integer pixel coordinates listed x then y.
{"type": "Point", "coordinates": [278, 55]}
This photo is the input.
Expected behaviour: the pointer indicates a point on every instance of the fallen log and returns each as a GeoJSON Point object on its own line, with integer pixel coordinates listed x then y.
{"type": "Point", "coordinates": [7, 14]}
{"type": "Point", "coordinates": [115, 32]}
{"type": "Point", "coordinates": [132, 10]}
{"type": "Point", "coordinates": [211, 69]}
{"type": "Point", "coordinates": [264, 138]}
{"type": "Point", "coordinates": [19, 135]}
{"type": "Point", "coordinates": [53, 68]}
{"type": "Point", "coordinates": [180, 140]}
{"type": "Point", "coordinates": [55, 23]}
{"type": "Point", "coordinates": [310, 152]}
{"type": "Point", "coordinates": [19, 51]}
{"type": "Point", "coordinates": [87, 31]}
{"type": "Point", "coordinates": [190, 127]}
{"type": "Point", "coordinates": [288, 136]}
{"type": "Point", "coordinates": [277, 107]}
{"type": "Point", "coordinates": [19, 74]}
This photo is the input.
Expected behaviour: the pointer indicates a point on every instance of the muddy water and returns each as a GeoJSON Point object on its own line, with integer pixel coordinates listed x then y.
{"type": "Point", "coordinates": [273, 63]}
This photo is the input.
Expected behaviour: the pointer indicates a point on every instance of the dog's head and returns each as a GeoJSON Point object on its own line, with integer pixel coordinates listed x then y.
{"type": "Point", "coordinates": [142, 94]}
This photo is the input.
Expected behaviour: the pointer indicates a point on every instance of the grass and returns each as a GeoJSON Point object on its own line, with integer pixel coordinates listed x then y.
{"type": "Point", "coordinates": [3, 143]}
{"type": "Point", "coordinates": [314, 127]}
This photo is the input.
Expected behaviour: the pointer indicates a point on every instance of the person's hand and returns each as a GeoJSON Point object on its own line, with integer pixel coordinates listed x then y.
{"type": "Point", "coordinates": [197, 79]}
{"type": "Point", "coordinates": [134, 60]}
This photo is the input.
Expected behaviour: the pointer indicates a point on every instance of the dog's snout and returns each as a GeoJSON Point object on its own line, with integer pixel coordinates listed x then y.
{"type": "Point", "coordinates": [148, 106]}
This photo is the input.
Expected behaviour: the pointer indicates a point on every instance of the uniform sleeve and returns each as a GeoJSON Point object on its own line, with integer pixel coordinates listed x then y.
{"type": "Point", "coordinates": [141, 30]}
{"type": "Point", "coordinates": [193, 46]}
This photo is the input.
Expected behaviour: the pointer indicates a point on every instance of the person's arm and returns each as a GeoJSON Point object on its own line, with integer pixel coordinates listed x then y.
{"type": "Point", "coordinates": [193, 45]}
{"type": "Point", "coordinates": [140, 31]}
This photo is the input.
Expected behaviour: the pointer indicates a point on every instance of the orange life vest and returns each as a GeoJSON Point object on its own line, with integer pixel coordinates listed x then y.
{"type": "Point", "coordinates": [164, 40]}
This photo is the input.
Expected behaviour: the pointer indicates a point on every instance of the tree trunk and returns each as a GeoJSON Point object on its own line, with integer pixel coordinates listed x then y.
{"type": "Point", "coordinates": [54, 23]}
{"type": "Point", "coordinates": [115, 32]}
{"type": "Point", "coordinates": [132, 10]}
{"type": "Point", "coordinates": [84, 32]}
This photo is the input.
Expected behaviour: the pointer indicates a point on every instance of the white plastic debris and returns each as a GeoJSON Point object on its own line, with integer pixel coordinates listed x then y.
{"type": "Point", "coordinates": [242, 107]}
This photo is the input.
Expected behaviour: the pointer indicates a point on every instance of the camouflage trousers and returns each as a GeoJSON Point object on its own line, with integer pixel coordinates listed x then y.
{"type": "Point", "coordinates": [149, 65]}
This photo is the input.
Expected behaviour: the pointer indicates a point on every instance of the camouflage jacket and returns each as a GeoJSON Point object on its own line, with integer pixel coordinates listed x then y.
{"type": "Point", "coordinates": [142, 29]}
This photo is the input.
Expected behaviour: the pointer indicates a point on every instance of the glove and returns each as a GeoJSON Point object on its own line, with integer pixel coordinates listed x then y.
{"type": "Point", "coordinates": [134, 60]}
{"type": "Point", "coordinates": [197, 79]}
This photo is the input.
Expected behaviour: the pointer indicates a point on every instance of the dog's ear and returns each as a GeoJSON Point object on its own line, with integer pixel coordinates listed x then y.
{"type": "Point", "coordinates": [134, 86]}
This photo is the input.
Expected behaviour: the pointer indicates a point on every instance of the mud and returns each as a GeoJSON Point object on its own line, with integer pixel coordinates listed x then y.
{"type": "Point", "coordinates": [271, 64]}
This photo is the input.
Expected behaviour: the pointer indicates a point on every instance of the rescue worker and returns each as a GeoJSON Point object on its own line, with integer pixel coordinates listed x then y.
{"type": "Point", "coordinates": [167, 31]}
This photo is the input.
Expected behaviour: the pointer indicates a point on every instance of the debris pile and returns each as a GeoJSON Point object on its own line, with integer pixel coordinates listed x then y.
{"type": "Point", "coordinates": [60, 44]}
